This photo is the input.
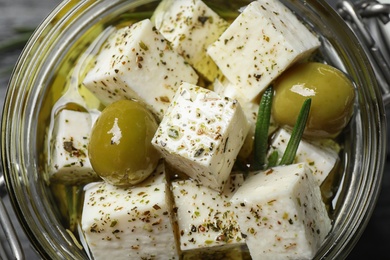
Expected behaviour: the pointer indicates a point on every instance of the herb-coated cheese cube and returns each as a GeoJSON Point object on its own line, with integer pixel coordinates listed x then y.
{"type": "Point", "coordinates": [262, 42]}
{"type": "Point", "coordinates": [225, 88]}
{"type": "Point", "coordinates": [69, 162]}
{"type": "Point", "coordinates": [136, 62]}
{"type": "Point", "coordinates": [191, 26]}
{"type": "Point", "coordinates": [319, 158]}
{"type": "Point", "coordinates": [281, 212]}
{"type": "Point", "coordinates": [205, 217]}
{"type": "Point", "coordinates": [250, 108]}
{"type": "Point", "coordinates": [201, 134]}
{"type": "Point", "coordinates": [129, 223]}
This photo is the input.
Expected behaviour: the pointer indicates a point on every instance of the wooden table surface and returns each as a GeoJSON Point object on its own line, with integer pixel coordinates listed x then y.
{"type": "Point", "coordinates": [19, 14]}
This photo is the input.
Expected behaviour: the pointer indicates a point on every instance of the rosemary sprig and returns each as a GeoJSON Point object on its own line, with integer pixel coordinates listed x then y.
{"type": "Point", "coordinates": [296, 135]}
{"type": "Point", "coordinates": [273, 159]}
{"type": "Point", "coordinates": [24, 29]}
{"type": "Point", "coordinates": [261, 130]}
{"type": "Point", "coordinates": [14, 43]}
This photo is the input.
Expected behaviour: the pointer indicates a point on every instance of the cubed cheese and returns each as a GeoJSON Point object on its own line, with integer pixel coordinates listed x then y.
{"type": "Point", "coordinates": [319, 158]}
{"type": "Point", "coordinates": [131, 223]}
{"type": "Point", "coordinates": [137, 62]}
{"type": "Point", "coordinates": [281, 213]}
{"type": "Point", "coordinates": [250, 108]}
{"type": "Point", "coordinates": [201, 134]}
{"type": "Point", "coordinates": [206, 219]}
{"type": "Point", "coordinates": [68, 160]}
{"type": "Point", "coordinates": [225, 88]}
{"type": "Point", "coordinates": [261, 43]}
{"type": "Point", "coordinates": [191, 26]}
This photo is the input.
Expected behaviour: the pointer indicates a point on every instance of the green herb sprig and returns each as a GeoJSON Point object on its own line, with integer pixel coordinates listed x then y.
{"type": "Point", "coordinates": [14, 43]}
{"type": "Point", "coordinates": [261, 134]}
{"type": "Point", "coordinates": [17, 41]}
{"type": "Point", "coordinates": [296, 135]}
{"type": "Point", "coordinates": [262, 127]}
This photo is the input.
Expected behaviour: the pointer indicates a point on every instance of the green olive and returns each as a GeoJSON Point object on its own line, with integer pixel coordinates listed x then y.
{"type": "Point", "coordinates": [332, 95]}
{"type": "Point", "coordinates": [120, 149]}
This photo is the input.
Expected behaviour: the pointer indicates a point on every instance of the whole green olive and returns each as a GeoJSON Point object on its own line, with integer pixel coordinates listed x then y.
{"type": "Point", "coordinates": [332, 95]}
{"type": "Point", "coordinates": [120, 149]}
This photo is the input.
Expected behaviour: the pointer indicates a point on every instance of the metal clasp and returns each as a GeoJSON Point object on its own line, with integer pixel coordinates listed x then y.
{"type": "Point", "coordinates": [367, 19]}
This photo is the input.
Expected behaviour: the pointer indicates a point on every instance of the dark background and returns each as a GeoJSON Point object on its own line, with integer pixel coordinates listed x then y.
{"type": "Point", "coordinates": [17, 16]}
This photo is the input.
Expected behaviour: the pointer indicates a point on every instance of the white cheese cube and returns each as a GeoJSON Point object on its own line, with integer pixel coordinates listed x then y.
{"type": "Point", "coordinates": [68, 161]}
{"type": "Point", "coordinates": [201, 134]}
{"type": "Point", "coordinates": [262, 42]}
{"type": "Point", "coordinates": [250, 108]}
{"type": "Point", "coordinates": [205, 217]}
{"type": "Point", "coordinates": [131, 223]}
{"type": "Point", "coordinates": [137, 62]}
{"type": "Point", "coordinates": [191, 26]}
{"type": "Point", "coordinates": [281, 212]}
{"type": "Point", "coordinates": [320, 159]}
{"type": "Point", "coordinates": [225, 88]}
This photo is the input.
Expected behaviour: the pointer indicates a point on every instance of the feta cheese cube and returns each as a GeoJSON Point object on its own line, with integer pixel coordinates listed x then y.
{"type": "Point", "coordinates": [205, 217]}
{"type": "Point", "coordinates": [129, 223]}
{"type": "Point", "coordinates": [201, 134]}
{"type": "Point", "coordinates": [68, 161]}
{"type": "Point", "coordinates": [225, 88]}
{"type": "Point", "coordinates": [319, 158]}
{"type": "Point", "coordinates": [281, 212]}
{"type": "Point", "coordinates": [250, 108]}
{"type": "Point", "coordinates": [262, 42]}
{"type": "Point", "coordinates": [191, 26]}
{"type": "Point", "coordinates": [136, 62]}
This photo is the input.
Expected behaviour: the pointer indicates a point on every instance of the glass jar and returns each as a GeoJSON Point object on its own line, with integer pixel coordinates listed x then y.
{"type": "Point", "coordinates": [57, 41]}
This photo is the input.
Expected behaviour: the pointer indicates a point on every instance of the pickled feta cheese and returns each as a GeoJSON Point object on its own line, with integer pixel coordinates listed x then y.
{"type": "Point", "coordinates": [201, 134]}
{"type": "Point", "coordinates": [191, 26]}
{"type": "Point", "coordinates": [281, 213]}
{"type": "Point", "coordinates": [250, 108]}
{"type": "Point", "coordinates": [68, 161]}
{"type": "Point", "coordinates": [205, 217]}
{"type": "Point", "coordinates": [137, 62]}
{"type": "Point", "coordinates": [320, 159]}
{"type": "Point", "coordinates": [129, 223]}
{"type": "Point", "coordinates": [262, 42]}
